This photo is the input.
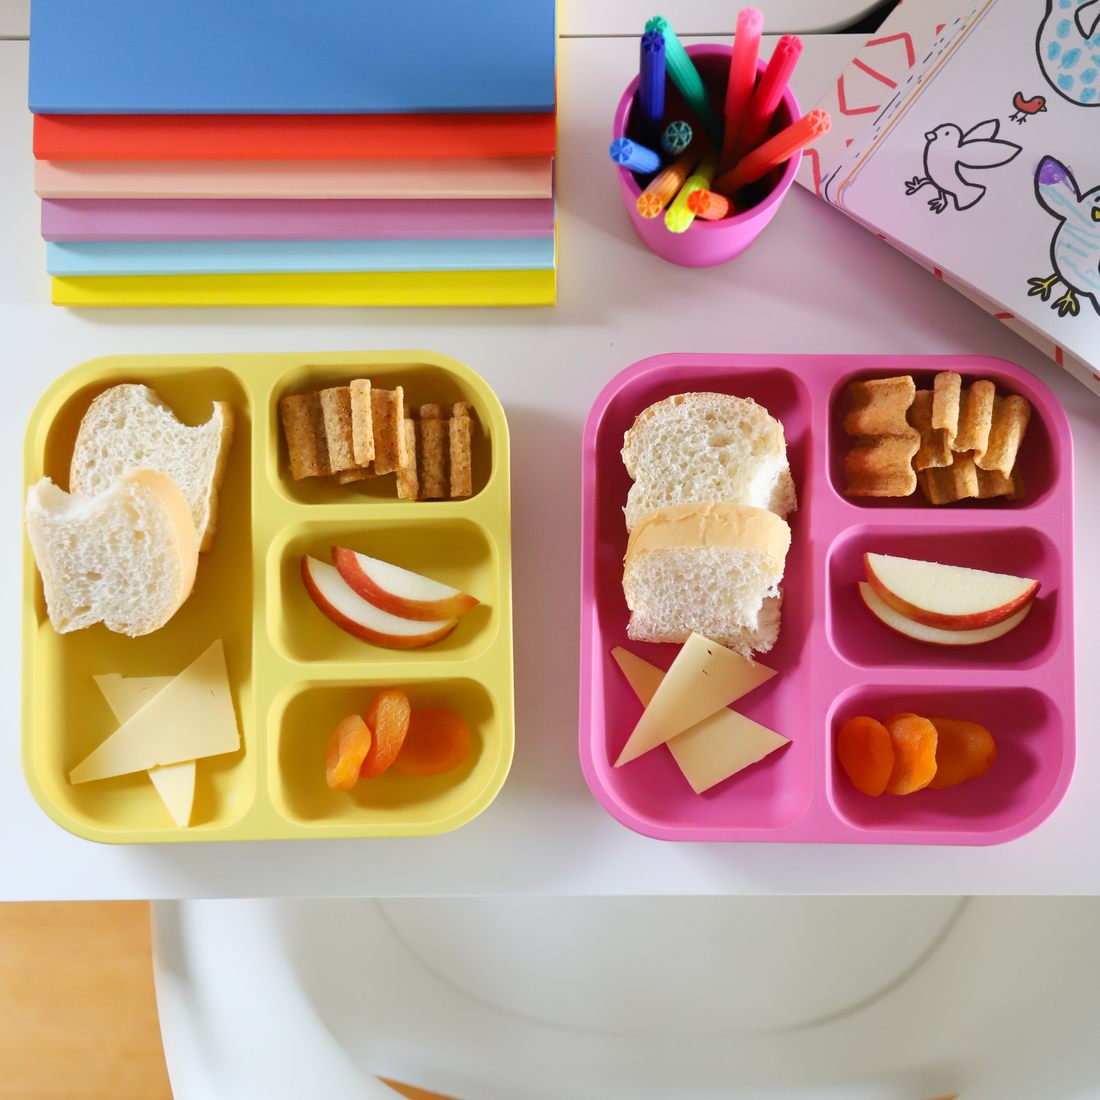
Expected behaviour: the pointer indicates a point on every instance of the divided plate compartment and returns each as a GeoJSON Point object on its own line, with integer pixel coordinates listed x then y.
{"type": "Point", "coordinates": [294, 674]}
{"type": "Point", "coordinates": [834, 659]}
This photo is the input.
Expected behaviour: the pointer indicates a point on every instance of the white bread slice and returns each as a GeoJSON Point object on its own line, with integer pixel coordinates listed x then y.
{"type": "Point", "coordinates": [707, 446]}
{"type": "Point", "coordinates": [129, 426]}
{"type": "Point", "coordinates": [711, 568]}
{"type": "Point", "coordinates": [126, 556]}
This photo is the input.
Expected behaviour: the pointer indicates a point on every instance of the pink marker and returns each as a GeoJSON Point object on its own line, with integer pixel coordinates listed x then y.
{"type": "Point", "coordinates": [767, 96]}
{"type": "Point", "coordinates": [742, 82]}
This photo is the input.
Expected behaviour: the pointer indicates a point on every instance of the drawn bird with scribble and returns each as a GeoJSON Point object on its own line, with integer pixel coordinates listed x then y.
{"type": "Point", "coordinates": [948, 151]}
{"type": "Point", "coordinates": [1075, 246]}
{"type": "Point", "coordinates": [1025, 108]}
{"type": "Point", "coordinates": [1067, 46]}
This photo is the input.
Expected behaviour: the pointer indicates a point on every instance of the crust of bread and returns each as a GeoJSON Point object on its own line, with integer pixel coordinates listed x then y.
{"type": "Point", "coordinates": [63, 531]}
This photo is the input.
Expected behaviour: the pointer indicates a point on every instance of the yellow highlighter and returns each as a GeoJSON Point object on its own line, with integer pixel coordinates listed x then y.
{"type": "Point", "coordinates": [679, 215]}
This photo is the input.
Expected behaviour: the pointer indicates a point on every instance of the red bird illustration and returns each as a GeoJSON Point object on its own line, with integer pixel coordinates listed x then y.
{"type": "Point", "coordinates": [1026, 107]}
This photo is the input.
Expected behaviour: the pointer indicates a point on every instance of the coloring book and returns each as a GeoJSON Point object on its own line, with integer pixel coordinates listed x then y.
{"type": "Point", "coordinates": [984, 165]}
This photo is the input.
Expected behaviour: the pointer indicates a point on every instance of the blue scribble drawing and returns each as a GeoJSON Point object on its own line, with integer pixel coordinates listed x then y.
{"type": "Point", "coordinates": [1075, 247]}
{"type": "Point", "coordinates": [948, 149]}
{"type": "Point", "coordinates": [1068, 46]}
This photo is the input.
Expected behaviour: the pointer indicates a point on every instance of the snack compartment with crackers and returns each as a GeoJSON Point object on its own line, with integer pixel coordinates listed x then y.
{"type": "Point", "coordinates": [105, 772]}
{"type": "Point", "coordinates": [974, 618]}
{"type": "Point", "coordinates": [399, 435]}
{"type": "Point", "coordinates": [968, 438]}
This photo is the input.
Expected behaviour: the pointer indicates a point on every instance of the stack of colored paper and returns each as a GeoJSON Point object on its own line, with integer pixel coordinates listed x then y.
{"type": "Point", "coordinates": [275, 153]}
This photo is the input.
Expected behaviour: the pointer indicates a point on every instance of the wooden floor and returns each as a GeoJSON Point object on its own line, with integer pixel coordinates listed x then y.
{"type": "Point", "coordinates": [78, 1014]}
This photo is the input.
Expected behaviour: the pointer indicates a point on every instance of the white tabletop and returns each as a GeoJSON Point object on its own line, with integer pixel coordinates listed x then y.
{"type": "Point", "coordinates": [815, 282]}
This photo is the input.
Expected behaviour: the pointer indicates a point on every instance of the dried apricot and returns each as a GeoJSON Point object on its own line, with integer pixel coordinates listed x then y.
{"type": "Point", "coordinates": [388, 719]}
{"type": "Point", "coordinates": [964, 750]}
{"type": "Point", "coordinates": [438, 740]}
{"type": "Point", "coordinates": [866, 753]}
{"type": "Point", "coordinates": [346, 749]}
{"type": "Point", "coordinates": [914, 740]}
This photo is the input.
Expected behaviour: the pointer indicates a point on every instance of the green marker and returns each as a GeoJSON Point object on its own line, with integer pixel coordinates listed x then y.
{"type": "Point", "coordinates": [686, 77]}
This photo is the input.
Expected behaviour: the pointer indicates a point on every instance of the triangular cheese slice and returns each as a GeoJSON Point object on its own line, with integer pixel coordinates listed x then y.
{"type": "Point", "coordinates": [720, 746]}
{"type": "Point", "coordinates": [126, 695]}
{"type": "Point", "coordinates": [175, 783]}
{"type": "Point", "coordinates": [712, 750]}
{"type": "Point", "coordinates": [643, 677]}
{"type": "Point", "coordinates": [191, 717]}
{"type": "Point", "coordinates": [704, 678]}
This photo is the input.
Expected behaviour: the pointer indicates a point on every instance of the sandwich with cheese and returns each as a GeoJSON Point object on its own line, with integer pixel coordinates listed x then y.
{"type": "Point", "coordinates": [713, 568]}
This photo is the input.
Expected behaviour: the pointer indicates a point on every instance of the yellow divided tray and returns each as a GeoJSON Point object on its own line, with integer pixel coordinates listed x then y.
{"type": "Point", "coordinates": [294, 673]}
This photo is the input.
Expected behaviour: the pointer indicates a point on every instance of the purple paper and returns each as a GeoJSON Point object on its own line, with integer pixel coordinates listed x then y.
{"type": "Point", "coordinates": [295, 219]}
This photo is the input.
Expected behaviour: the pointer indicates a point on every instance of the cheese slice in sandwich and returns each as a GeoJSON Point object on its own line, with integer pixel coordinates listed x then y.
{"type": "Point", "coordinates": [713, 568]}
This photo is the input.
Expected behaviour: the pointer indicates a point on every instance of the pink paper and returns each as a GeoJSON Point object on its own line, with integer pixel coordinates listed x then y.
{"type": "Point", "coordinates": [295, 219]}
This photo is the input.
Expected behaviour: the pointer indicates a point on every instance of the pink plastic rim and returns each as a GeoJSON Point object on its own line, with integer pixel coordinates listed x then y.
{"type": "Point", "coordinates": [704, 244]}
{"type": "Point", "coordinates": [1023, 684]}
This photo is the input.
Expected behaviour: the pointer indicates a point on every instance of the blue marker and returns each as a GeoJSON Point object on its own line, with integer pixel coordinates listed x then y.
{"type": "Point", "coordinates": [651, 84]}
{"type": "Point", "coordinates": [634, 156]}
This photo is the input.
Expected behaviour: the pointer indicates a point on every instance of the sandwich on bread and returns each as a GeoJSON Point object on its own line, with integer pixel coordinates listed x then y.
{"type": "Point", "coordinates": [126, 556]}
{"type": "Point", "coordinates": [129, 426]}
{"type": "Point", "coordinates": [713, 568]}
{"type": "Point", "coordinates": [696, 447]}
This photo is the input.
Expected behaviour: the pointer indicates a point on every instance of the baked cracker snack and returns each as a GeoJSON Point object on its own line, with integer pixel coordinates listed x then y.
{"type": "Point", "coordinates": [879, 406]}
{"type": "Point", "coordinates": [975, 418]}
{"type": "Point", "coordinates": [304, 425]}
{"type": "Point", "coordinates": [362, 422]}
{"type": "Point", "coordinates": [406, 475]}
{"type": "Point", "coordinates": [336, 412]}
{"type": "Point", "coordinates": [946, 388]}
{"type": "Point", "coordinates": [992, 483]}
{"type": "Point", "coordinates": [1010, 417]}
{"type": "Point", "coordinates": [957, 482]}
{"type": "Point", "coordinates": [434, 443]}
{"type": "Point", "coordinates": [934, 450]}
{"type": "Point", "coordinates": [387, 412]}
{"type": "Point", "coordinates": [879, 464]}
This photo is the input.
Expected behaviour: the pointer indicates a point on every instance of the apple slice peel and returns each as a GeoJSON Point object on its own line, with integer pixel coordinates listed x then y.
{"type": "Point", "coordinates": [949, 597]}
{"type": "Point", "coordinates": [399, 591]}
{"type": "Point", "coordinates": [931, 635]}
{"type": "Point", "coordinates": [349, 611]}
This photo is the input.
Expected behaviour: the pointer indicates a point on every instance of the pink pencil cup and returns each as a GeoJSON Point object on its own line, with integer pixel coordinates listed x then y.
{"type": "Point", "coordinates": [706, 244]}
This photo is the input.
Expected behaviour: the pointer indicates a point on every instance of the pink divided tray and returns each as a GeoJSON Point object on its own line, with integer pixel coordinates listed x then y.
{"type": "Point", "coordinates": [833, 658]}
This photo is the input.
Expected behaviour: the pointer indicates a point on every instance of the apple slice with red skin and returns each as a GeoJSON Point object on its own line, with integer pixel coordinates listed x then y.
{"type": "Point", "coordinates": [948, 597]}
{"type": "Point", "coordinates": [352, 613]}
{"type": "Point", "coordinates": [931, 635]}
{"type": "Point", "coordinates": [400, 591]}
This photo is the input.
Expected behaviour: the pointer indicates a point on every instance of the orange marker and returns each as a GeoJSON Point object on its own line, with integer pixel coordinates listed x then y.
{"type": "Point", "coordinates": [773, 152]}
{"type": "Point", "coordinates": [665, 185]}
{"type": "Point", "coordinates": [708, 205]}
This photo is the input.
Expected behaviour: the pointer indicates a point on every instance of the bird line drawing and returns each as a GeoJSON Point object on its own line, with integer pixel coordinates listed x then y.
{"type": "Point", "coordinates": [1025, 108]}
{"type": "Point", "coordinates": [1075, 246]}
{"type": "Point", "coordinates": [1069, 55]}
{"type": "Point", "coordinates": [948, 150]}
